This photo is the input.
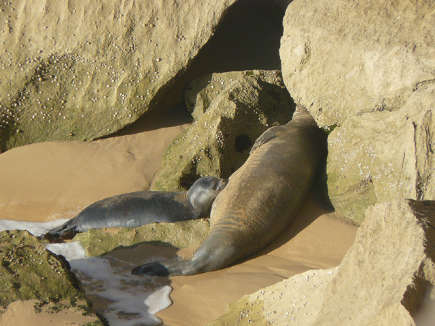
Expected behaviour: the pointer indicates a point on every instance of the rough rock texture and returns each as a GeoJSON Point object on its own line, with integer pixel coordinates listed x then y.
{"type": "Point", "coordinates": [343, 58]}
{"type": "Point", "coordinates": [29, 271]}
{"type": "Point", "coordinates": [382, 280]}
{"type": "Point", "coordinates": [230, 110]}
{"type": "Point", "coordinates": [180, 234]}
{"type": "Point", "coordinates": [80, 70]}
{"type": "Point", "coordinates": [367, 69]}
{"type": "Point", "coordinates": [283, 303]}
{"type": "Point", "coordinates": [393, 252]}
{"type": "Point", "coordinates": [381, 156]}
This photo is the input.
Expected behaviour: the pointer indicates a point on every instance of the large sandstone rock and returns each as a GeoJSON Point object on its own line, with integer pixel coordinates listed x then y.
{"type": "Point", "coordinates": [80, 70]}
{"type": "Point", "coordinates": [230, 110]}
{"type": "Point", "coordinates": [383, 276]}
{"type": "Point", "coordinates": [382, 280]}
{"type": "Point", "coordinates": [366, 70]}
{"type": "Point", "coordinates": [381, 156]}
{"type": "Point", "coordinates": [284, 303]}
{"type": "Point", "coordinates": [342, 58]}
{"type": "Point", "coordinates": [30, 272]}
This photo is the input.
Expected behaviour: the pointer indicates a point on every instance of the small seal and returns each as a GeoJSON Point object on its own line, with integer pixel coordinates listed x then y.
{"type": "Point", "coordinates": [143, 207]}
{"type": "Point", "coordinates": [259, 201]}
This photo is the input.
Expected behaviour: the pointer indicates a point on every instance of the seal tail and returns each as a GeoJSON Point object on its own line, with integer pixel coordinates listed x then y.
{"type": "Point", "coordinates": [66, 231]}
{"type": "Point", "coordinates": [212, 255]}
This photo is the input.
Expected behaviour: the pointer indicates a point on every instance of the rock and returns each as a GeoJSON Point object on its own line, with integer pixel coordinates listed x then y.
{"type": "Point", "coordinates": [81, 70]}
{"type": "Point", "coordinates": [382, 279]}
{"type": "Point", "coordinates": [367, 72]}
{"type": "Point", "coordinates": [283, 303]}
{"type": "Point", "coordinates": [391, 256]}
{"type": "Point", "coordinates": [341, 59]}
{"type": "Point", "coordinates": [180, 234]}
{"type": "Point", "coordinates": [29, 271]}
{"type": "Point", "coordinates": [383, 156]}
{"type": "Point", "coordinates": [231, 110]}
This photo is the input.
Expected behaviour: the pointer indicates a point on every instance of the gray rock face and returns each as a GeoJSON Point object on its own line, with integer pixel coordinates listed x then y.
{"type": "Point", "coordinates": [367, 71]}
{"type": "Point", "coordinates": [230, 110]}
{"type": "Point", "coordinates": [80, 70]}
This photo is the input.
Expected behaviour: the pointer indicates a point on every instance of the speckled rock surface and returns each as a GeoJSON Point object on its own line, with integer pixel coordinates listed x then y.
{"type": "Point", "coordinates": [230, 110]}
{"type": "Point", "coordinates": [382, 156]}
{"type": "Point", "coordinates": [366, 70]}
{"type": "Point", "coordinates": [342, 58]}
{"type": "Point", "coordinates": [29, 271]}
{"type": "Point", "coordinates": [382, 280]}
{"type": "Point", "coordinates": [294, 301]}
{"type": "Point", "coordinates": [180, 234]}
{"type": "Point", "coordinates": [80, 70]}
{"type": "Point", "coordinates": [392, 254]}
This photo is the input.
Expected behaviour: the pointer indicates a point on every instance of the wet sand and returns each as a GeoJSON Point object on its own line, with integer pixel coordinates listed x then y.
{"type": "Point", "coordinates": [48, 181]}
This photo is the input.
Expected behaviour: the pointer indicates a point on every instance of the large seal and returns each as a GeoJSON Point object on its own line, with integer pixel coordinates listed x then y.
{"type": "Point", "coordinates": [143, 207]}
{"type": "Point", "coordinates": [260, 199]}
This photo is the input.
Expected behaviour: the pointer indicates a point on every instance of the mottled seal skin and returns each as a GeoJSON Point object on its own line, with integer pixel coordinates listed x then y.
{"type": "Point", "coordinates": [260, 199]}
{"type": "Point", "coordinates": [143, 207]}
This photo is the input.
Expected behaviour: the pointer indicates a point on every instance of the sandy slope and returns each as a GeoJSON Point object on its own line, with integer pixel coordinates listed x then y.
{"type": "Point", "coordinates": [51, 180]}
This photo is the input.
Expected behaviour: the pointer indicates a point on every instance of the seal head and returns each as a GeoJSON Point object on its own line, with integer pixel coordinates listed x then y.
{"type": "Point", "coordinates": [203, 192]}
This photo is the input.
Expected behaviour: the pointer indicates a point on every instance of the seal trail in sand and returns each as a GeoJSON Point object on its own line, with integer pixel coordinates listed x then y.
{"type": "Point", "coordinates": [260, 199]}
{"type": "Point", "coordinates": [143, 207]}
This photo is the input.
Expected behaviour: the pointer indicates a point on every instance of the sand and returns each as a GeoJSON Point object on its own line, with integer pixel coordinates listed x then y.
{"type": "Point", "coordinates": [48, 181]}
{"type": "Point", "coordinates": [51, 180]}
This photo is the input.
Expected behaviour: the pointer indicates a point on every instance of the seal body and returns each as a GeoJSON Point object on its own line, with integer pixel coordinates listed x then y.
{"type": "Point", "coordinates": [143, 207]}
{"type": "Point", "coordinates": [260, 199]}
